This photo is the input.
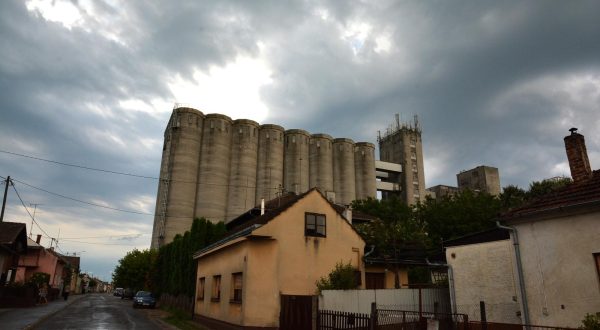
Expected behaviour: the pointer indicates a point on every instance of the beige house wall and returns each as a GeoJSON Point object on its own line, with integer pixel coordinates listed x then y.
{"type": "Point", "coordinates": [285, 263]}
{"type": "Point", "coordinates": [560, 273]}
{"type": "Point", "coordinates": [390, 278]}
{"type": "Point", "coordinates": [485, 272]}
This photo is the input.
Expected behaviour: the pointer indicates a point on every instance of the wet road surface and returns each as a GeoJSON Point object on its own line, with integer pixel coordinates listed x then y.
{"type": "Point", "coordinates": [99, 311]}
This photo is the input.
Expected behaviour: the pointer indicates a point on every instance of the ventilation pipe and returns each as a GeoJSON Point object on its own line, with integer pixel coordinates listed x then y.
{"type": "Point", "coordinates": [38, 239]}
{"type": "Point", "coordinates": [262, 206]}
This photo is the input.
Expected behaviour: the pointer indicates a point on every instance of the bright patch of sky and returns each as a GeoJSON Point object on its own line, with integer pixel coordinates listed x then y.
{"type": "Point", "coordinates": [63, 12]}
{"type": "Point", "coordinates": [233, 90]}
{"type": "Point", "coordinates": [355, 34]}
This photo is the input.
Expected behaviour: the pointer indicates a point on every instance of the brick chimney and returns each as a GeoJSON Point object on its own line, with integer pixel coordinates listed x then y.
{"type": "Point", "coordinates": [577, 155]}
{"type": "Point", "coordinates": [38, 239]}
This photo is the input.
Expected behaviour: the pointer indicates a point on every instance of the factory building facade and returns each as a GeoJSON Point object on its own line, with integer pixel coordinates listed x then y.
{"type": "Point", "coordinates": [218, 168]}
{"type": "Point", "coordinates": [402, 144]}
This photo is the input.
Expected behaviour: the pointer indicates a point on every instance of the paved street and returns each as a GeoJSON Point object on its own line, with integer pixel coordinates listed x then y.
{"type": "Point", "coordinates": [101, 311]}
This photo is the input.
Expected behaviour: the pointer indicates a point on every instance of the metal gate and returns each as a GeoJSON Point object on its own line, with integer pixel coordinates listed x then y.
{"type": "Point", "coordinates": [296, 312]}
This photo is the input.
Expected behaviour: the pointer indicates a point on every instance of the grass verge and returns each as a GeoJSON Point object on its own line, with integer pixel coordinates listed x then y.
{"type": "Point", "coordinates": [181, 320]}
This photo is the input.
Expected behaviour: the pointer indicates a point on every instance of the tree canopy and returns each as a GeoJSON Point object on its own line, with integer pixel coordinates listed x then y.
{"type": "Point", "coordinates": [133, 270]}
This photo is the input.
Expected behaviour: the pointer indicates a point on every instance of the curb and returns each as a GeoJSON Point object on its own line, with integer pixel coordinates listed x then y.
{"type": "Point", "coordinates": [49, 315]}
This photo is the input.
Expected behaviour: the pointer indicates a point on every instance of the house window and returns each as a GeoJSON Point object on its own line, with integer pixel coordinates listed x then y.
{"type": "Point", "coordinates": [201, 283]}
{"type": "Point", "coordinates": [216, 288]}
{"type": "Point", "coordinates": [597, 258]}
{"type": "Point", "coordinates": [314, 225]}
{"type": "Point", "coordinates": [236, 284]}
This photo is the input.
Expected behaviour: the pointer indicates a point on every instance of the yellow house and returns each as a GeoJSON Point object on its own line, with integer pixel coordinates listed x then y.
{"type": "Point", "coordinates": [243, 279]}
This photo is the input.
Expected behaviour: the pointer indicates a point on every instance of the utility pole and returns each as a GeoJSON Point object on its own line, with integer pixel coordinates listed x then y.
{"type": "Point", "coordinates": [7, 182]}
{"type": "Point", "coordinates": [35, 205]}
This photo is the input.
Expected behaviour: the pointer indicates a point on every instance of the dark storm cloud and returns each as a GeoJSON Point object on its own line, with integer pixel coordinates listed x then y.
{"type": "Point", "coordinates": [493, 83]}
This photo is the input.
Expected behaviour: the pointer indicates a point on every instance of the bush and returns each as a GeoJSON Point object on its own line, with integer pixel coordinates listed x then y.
{"type": "Point", "coordinates": [591, 322]}
{"type": "Point", "coordinates": [342, 277]}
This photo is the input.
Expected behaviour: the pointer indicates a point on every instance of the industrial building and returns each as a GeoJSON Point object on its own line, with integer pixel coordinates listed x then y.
{"type": "Point", "coordinates": [401, 144]}
{"type": "Point", "coordinates": [218, 168]}
{"type": "Point", "coordinates": [481, 178]}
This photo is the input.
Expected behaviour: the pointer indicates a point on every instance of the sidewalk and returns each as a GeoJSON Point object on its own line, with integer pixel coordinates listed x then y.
{"type": "Point", "coordinates": [25, 318]}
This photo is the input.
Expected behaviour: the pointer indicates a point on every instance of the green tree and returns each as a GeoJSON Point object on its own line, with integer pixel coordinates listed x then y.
{"type": "Point", "coordinates": [342, 277]}
{"type": "Point", "coordinates": [174, 271]}
{"type": "Point", "coordinates": [133, 270]}
{"type": "Point", "coordinates": [511, 197]}
{"type": "Point", "coordinates": [395, 231]}
{"type": "Point", "coordinates": [454, 216]}
{"type": "Point", "coordinates": [540, 188]}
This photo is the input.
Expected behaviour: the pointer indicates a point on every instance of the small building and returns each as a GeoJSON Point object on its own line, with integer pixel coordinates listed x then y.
{"type": "Point", "coordinates": [13, 244]}
{"type": "Point", "coordinates": [481, 178]}
{"type": "Point", "coordinates": [271, 255]}
{"type": "Point", "coordinates": [487, 257]}
{"type": "Point", "coordinates": [441, 191]}
{"type": "Point", "coordinates": [41, 260]}
{"type": "Point", "coordinates": [558, 241]}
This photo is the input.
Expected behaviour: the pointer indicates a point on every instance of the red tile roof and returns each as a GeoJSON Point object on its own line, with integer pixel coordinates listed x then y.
{"type": "Point", "coordinates": [574, 194]}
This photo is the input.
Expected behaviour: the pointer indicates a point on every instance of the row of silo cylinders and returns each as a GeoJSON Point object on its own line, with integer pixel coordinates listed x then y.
{"type": "Point", "coordinates": [219, 168]}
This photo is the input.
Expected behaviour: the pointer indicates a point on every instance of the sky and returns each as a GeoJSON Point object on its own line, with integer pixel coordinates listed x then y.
{"type": "Point", "coordinates": [93, 83]}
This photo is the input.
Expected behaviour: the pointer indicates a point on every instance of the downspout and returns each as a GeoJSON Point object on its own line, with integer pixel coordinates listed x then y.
{"type": "Point", "coordinates": [453, 308]}
{"type": "Point", "coordinates": [519, 270]}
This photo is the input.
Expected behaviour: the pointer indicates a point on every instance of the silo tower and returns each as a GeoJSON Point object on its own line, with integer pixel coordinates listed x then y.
{"type": "Point", "coordinates": [321, 163]}
{"type": "Point", "coordinates": [213, 172]}
{"type": "Point", "coordinates": [242, 173]}
{"type": "Point", "coordinates": [177, 185]}
{"type": "Point", "coordinates": [295, 162]}
{"type": "Point", "coordinates": [269, 172]}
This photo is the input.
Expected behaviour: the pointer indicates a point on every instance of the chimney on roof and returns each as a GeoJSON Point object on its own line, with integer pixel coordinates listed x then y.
{"type": "Point", "coordinates": [38, 239]}
{"type": "Point", "coordinates": [577, 155]}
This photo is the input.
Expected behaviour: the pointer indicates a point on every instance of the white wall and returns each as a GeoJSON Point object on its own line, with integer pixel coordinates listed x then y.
{"type": "Point", "coordinates": [562, 283]}
{"type": "Point", "coordinates": [484, 272]}
{"type": "Point", "coordinates": [359, 301]}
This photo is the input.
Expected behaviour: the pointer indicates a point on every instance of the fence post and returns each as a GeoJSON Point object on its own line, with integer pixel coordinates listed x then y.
{"type": "Point", "coordinates": [373, 323]}
{"type": "Point", "coordinates": [483, 316]}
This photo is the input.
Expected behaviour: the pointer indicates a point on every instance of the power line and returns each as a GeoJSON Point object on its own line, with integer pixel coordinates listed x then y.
{"type": "Point", "coordinates": [80, 201]}
{"type": "Point", "coordinates": [110, 236]}
{"type": "Point", "coordinates": [128, 174]}
{"type": "Point", "coordinates": [80, 166]}
{"type": "Point", "coordinates": [26, 209]}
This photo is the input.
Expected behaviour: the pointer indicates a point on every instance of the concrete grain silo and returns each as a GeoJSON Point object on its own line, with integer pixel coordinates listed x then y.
{"type": "Point", "coordinates": [269, 172]}
{"type": "Point", "coordinates": [364, 167]}
{"type": "Point", "coordinates": [242, 173]}
{"type": "Point", "coordinates": [343, 171]}
{"type": "Point", "coordinates": [213, 172]}
{"type": "Point", "coordinates": [321, 163]}
{"type": "Point", "coordinates": [295, 160]}
{"type": "Point", "coordinates": [178, 175]}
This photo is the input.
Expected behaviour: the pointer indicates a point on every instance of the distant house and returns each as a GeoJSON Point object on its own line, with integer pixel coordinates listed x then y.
{"type": "Point", "coordinates": [558, 241]}
{"type": "Point", "coordinates": [272, 259]}
{"type": "Point", "coordinates": [13, 244]}
{"type": "Point", "coordinates": [41, 260]}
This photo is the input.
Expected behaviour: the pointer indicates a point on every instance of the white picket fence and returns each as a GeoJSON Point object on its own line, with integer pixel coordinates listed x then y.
{"type": "Point", "coordinates": [359, 301]}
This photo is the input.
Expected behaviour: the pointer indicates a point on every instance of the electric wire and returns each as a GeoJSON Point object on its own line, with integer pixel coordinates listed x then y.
{"type": "Point", "coordinates": [130, 174]}
{"type": "Point", "coordinates": [79, 166]}
{"type": "Point", "coordinates": [81, 201]}
{"type": "Point", "coordinates": [31, 216]}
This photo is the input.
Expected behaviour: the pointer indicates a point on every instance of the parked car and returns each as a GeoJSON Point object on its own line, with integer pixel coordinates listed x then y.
{"type": "Point", "coordinates": [118, 292]}
{"type": "Point", "coordinates": [127, 294]}
{"type": "Point", "coordinates": [144, 299]}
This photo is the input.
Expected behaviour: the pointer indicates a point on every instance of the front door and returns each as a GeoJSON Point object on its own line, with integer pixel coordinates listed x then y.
{"type": "Point", "coordinates": [296, 312]}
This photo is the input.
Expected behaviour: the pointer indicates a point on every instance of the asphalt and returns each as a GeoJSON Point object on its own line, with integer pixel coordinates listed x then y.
{"type": "Point", "coordinates": [27, 318]}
